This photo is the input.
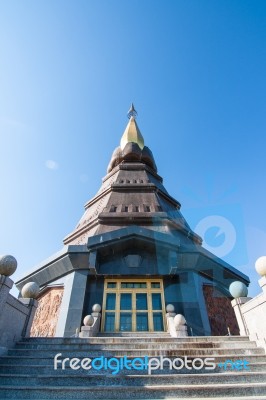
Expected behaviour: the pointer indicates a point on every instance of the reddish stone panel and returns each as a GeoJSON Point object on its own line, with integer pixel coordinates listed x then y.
{"type": "Point", "coordinates": [220, 312]}
{"type": "Point", "coordinates": [46, 316]}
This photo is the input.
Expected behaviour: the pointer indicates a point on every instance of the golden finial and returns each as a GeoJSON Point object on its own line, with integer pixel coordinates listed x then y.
{"type": "Point", "coordinates": [132, 133]}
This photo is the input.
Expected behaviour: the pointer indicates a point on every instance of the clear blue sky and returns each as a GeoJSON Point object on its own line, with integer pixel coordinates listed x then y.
{"type": "Point", "coordinates": [68, 73]}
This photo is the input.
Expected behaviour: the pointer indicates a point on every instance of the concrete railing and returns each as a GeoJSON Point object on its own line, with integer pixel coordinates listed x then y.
{"type": "Point", "coordinates": [16, 315]}
{"type": "Point", "coordinates": [251, 315]}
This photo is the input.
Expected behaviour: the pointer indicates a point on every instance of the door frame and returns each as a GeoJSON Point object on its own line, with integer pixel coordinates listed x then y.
{"type": "Point", "coordinates": [119, 289]}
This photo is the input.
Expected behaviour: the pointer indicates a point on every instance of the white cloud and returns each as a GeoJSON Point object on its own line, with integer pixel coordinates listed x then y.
{"type": "Point", "coordinates": [51, 164]}
{"type": "Point", "coordinates": [83, 178]}
{"type": "Point", "coordinates": [12, 123]}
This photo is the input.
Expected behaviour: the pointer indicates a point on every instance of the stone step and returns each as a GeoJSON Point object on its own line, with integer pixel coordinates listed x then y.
{"type": "Point", "coordinates": [134, 334]}
{"type": "Point", "coordinates": [137, 352]}
{"type": "Point", "coordinates": [33, 369]}
{"type": "Point", "coordinates": [133, 392]}
{"type": "Point", "coordinates": [46, 360]}
{"type": "Point", "coordinates": [112, 339]}
{"type": "Point", "coordinates": [131, 380]}
{"type": "Point", "coordinates": [28, 369]}
{"type": "Point", "coordinates": [140, 345]}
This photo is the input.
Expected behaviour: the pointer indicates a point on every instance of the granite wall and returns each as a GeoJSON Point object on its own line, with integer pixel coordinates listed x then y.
{"type": "Point", "coordinates": [220, 312]}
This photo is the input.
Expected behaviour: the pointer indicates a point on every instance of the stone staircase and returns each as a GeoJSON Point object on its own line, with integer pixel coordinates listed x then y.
{"type": "Point", "coordinates": [27, 371]}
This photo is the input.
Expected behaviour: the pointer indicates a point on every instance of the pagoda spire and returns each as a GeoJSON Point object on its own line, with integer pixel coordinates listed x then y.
{"type": "Point", "coordinates": [132, 133]}
{"type": "Point", "coordinates": [132, 112]}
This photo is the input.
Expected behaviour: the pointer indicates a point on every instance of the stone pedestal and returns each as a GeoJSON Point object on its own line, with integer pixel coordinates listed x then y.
{"type": "Point", "coordinates": [181, 331]}
{"type": "Point", "coordinates": [32, 305]}
{"type": "Point", "coordinates": [262, 283]}
{"type": "Point", "coordinates": [5, 286]}
{"type": "Point", "coordinates": [236, 304]}
{"type": "Point", "coordinates": [86, 331]}
{"type": "Point", "coordinates": [90, 331]}
{"type": "Point", "coordinates": [170, 324]}
{"type": "Point", "coordinates": [175, 330]}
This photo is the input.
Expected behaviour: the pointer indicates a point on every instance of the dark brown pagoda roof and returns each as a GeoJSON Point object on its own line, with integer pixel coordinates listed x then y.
{"type": "Point", "coordinates": [132, 193]}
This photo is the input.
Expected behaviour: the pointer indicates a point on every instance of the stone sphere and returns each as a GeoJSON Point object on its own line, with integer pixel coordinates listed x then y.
{"type": "Point", "coordinates": [238, 289]}
{"type": "Point", "coordinates": [170, 308]}
{"type": "Point", "coordinates": [8, 265]}
{"type": "Point", "coordinates": [96, 308]}
{"type": "Point", "coordinates": [30, 290]}
{"type": "Point", "coordinates": [179, 320]}
{"type": "Point", "coordinates": [260, 266]}
{"type": "Point", "coordinates": [88, 320]}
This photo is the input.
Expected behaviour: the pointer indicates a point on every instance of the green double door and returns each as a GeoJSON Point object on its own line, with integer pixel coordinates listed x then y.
{"type": "Point", "coordinates": [133, 306]}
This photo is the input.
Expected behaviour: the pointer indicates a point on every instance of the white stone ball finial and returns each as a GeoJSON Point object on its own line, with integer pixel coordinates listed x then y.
{"type": "Point", "coordinates": [179, 320]}
{"type": "Point", "coordinates": [96, 308]}
{"type": "Point", "coordinates": [88, 320]}
{"type": "Point", "coordinates": [30, 290]}
{"type": "Point", "coordinates": [260, 266]}
{"type": "Point", "coordinates": [238, 289]}
{"type": "Point", "coordinates": [170, 308]}
{"type": "Point", "coordinates": [8, 265]}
